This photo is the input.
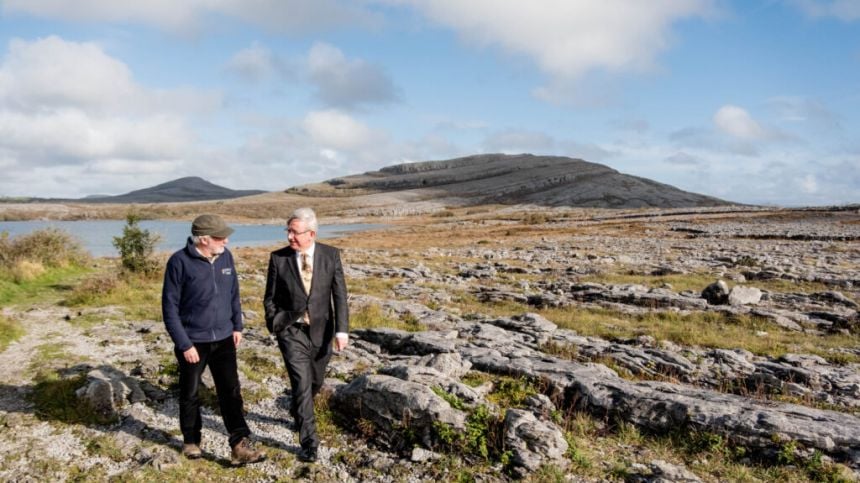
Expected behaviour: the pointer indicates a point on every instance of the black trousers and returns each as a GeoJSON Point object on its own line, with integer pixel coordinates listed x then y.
{"type": "Point", "coordinates": [220, 356]}
{"type": "Point", "coordinates": [306, 364]}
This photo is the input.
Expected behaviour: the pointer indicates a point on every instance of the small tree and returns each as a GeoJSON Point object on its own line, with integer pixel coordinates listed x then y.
{"type": "Point", "coordinates": [136, 246]}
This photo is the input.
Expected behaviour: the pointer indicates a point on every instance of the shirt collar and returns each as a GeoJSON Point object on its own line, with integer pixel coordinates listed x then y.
{"type": "Point", "coordinates": [209, 259]}
{"type": "Point", "coordinates": [309, 251]}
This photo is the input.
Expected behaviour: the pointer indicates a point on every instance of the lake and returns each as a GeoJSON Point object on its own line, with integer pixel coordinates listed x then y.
{"type": "Point", "coordinates": [96, 236]}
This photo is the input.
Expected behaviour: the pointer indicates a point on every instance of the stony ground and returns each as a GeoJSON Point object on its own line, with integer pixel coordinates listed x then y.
{"type": "Point", "coordinates": [471, 271]}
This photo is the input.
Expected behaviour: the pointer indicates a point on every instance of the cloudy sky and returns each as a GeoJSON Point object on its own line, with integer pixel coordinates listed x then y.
{"type": "Point", "coordinates": [755, 101]}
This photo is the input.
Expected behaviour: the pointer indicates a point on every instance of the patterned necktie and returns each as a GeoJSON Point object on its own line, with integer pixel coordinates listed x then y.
{"type": "Point", "coordinates": [307, 276]}
{"type": "Point", "coordinates": [307, 271]}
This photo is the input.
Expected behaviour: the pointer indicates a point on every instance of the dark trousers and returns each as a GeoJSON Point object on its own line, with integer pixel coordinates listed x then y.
{"type": "Point", "coordinates": [306, 364]}
{"type": "Point", "coordinates": [220, 356]}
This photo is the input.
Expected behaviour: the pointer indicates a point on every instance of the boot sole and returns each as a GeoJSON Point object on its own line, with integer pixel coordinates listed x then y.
{"type": "Point", "coordinates": [235, 462]}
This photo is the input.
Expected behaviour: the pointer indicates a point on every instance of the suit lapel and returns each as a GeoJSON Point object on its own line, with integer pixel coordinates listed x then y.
{"type": "Point", "coordinates": [293, 267]}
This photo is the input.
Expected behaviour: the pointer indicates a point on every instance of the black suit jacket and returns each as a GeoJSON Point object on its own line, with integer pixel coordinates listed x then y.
{"type": "Point", "coordinates": [286, 300]}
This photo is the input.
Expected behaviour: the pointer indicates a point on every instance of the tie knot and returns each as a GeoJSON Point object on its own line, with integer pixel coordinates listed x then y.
{"type": "Point", "coordinates": [306, 262]}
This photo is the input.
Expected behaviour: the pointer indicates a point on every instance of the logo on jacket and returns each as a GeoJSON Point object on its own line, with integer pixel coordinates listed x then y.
{"type": "Point", "coordinates": [226, 271]}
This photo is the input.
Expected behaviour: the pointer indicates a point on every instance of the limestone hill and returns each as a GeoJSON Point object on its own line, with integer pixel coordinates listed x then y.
{"type": "Point", "coordinates": [513, 179]}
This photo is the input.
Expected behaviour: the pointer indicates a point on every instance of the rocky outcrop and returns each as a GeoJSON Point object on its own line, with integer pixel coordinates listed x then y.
{"type": "Point", "coordinates": [395, 405]}
{"type": "Point", "coordinates": [511, 179]}
{"type": "Point", "coordinates": [108, 390]}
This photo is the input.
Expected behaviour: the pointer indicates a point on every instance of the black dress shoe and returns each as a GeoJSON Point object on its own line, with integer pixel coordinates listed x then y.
{"type": "Point", "coordinates": [308, 455]}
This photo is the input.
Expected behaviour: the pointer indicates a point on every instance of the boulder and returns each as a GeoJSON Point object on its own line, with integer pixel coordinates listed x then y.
{"type": "Point", "coordinates": [740, 295]}
{"type": "Point", "coordinates": [108, 390]}
{"type": "Point", "coordinates": [533, 442]}
{"type": "Point", "coordinates": [716, 293]}
{"type": "Point", "coordinates": [393, 405]}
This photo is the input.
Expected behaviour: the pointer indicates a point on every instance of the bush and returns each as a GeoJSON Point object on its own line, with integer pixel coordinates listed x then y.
{"type": "Point", "coordinates": [26, 271]}
{"type": "Point", "coordinates": [136, 247]}
{"type": "Point", "coordinates": [93, 288]}
{"type": "Point", "coordinates": [49, 247]}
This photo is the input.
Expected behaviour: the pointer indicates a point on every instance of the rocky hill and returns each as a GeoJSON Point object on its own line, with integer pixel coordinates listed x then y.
{"type": "Point", "coordinates": [191, 188]}
{"type": "Point", "coordinates": [513, 179]}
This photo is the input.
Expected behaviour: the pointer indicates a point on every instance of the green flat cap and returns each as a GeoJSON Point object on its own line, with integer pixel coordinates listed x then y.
{"type": "Point", "coordinates": [211, 225]}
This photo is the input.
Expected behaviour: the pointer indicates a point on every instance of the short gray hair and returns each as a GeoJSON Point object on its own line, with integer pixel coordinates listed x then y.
{"type": "Point", "coordinates": [307, 216]}
{"type": "Point", "coordinates": [196, 239]}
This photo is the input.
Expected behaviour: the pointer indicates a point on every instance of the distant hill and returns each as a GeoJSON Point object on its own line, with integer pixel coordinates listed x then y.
{"type": "Point", "coordinates": [191, 188]}
{"type": "Point", "coordinates": [513, 179]}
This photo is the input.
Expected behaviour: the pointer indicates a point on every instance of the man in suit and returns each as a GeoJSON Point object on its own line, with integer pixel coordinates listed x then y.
{"type": "Point", "coordinates": [306, 309]}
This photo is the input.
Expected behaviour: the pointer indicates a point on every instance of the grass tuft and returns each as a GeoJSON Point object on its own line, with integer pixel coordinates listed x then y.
{"type": "Point", "coordinates": [10, 331]}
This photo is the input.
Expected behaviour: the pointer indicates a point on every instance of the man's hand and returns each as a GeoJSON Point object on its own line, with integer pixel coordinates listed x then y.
{"type": "Point", "coordinates": [340, 343]}
{"type": "Point", "coordinates": [191, 355]}
{"type": "Point", "coordinates": [237, 337]}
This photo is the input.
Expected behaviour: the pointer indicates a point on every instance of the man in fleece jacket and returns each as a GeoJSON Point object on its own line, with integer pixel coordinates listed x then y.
{"type": "Point", "coordinates": [202, 314]}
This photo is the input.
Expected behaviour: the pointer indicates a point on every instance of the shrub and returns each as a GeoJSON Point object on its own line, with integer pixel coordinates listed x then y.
{"type": "Point", "coordinates": [26, 270]}
{"type": "Point", "coordinates": [92, 289]}
{"type": "Point", "coordinates": [49, 247]}
{"type": "Point", "coordinates": [136, 247]}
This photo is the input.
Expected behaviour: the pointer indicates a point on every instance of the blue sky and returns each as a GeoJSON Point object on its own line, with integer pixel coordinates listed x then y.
{"type": "Point", "coordinates": [754, 101]}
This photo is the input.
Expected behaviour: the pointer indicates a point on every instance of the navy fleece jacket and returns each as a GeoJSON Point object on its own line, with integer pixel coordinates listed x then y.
{"type": "Point", "coordinates": [200, 300]}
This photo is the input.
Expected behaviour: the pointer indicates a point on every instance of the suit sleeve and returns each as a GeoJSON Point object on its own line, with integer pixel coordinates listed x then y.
{"type": "Point", "coordinates": [269, 298]}
{"type": "Point", "coordinates": [339, 296]}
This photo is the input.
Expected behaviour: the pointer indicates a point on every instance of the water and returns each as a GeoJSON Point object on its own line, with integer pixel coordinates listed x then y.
{"type": "Point", "coordinates": [96, 236]}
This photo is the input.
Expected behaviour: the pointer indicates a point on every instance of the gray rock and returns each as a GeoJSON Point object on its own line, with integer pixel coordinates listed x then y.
{"type": "Point", "coordinates": [420, 455]}
{"type": "Point", "coordinates": [533, 442]}
{"type": "Point", "coordinates": [716, 293]}
{"type": "Point", "coordinates": [741, 295]}
{"type": "Point", "coordinates": [390, 403]}
{"type": "Point", "coordinates": [449, 363]}
{"type": "Point", "coordinates": [659, 471]}
{"type": "Point", "coordinates": [108, 390]}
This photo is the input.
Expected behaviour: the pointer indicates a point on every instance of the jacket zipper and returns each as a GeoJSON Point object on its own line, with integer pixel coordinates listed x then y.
{"type": "Point", "coordinates": [215, 285]}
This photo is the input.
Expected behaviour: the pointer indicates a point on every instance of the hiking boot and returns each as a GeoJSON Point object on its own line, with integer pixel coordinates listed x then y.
{"type": "Point", "coordinates": [309, 454]}
{"type": "Point", "coordinates": [244, 453]}
{"type": "Point", "coordinates": [191, 451]}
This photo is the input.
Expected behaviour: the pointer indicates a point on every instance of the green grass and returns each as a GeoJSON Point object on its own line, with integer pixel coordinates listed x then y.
{"type": "Point", "coordinates": [372, 316]}
{"type": "Point", "coordinates": [697, 282]}
{"type": "Point", "coordinates": [139, 296]}
{"type": "Point", "coordinates": [54, 399]}
{"type": "Point", "coordinates": [10, 331]}
{"type": "Point", "coordinates": [704, 329]}
{"type": "Point", "coordinates": [47, 286]}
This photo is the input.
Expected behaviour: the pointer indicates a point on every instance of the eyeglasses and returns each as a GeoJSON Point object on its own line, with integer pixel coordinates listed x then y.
{"type": "Point", "coordinates": [295, 233]}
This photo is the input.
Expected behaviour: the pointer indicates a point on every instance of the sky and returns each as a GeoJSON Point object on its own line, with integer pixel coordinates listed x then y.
{"type": "Point", "coordinates": [752, 101]}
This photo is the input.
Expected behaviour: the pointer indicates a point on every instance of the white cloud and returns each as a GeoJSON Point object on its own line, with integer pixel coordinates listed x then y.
{"type": "Point", "coordinates": [808, 184]}
{"type": "Point", "coordinates": [71, 136]}
{"type": "Point", "coordinates": [51, 72]}
{"type": "Point", "coordinates": [190, 15]}
{"type": "Point", "coordinates": [568, 39]}
{"type": "Point", "coordinates": [333, 129]}
{"type": "Point", "coordinates": [72, 108]}
{"type": "Point", "coordinates": [346, 83]}
{"type": "Point", "coordinates": [254, 63]}
{"type": "Point", "coordinates": [846, 10]}
{"type": "Point", "coordinates": [800, 109]}
{"type": "Point", "coordinates": [737, 122]}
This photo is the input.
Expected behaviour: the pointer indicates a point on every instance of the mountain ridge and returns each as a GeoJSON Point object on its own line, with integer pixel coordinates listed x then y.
{"type": "Point", "coordinates": [515, 179]}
